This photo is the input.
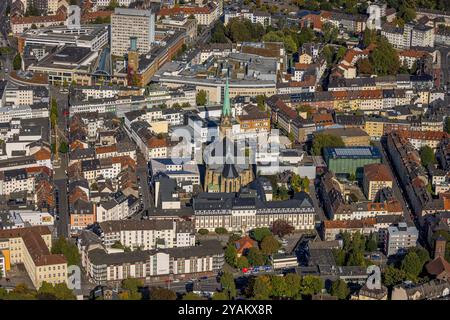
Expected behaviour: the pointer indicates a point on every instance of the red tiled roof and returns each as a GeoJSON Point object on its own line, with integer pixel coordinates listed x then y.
{"type": "Point", "coordinates": [377, 172]}
{"type": "Point", "coordinates": [38, 19]}
{"type": "Point", "coordinates": [349, 224]}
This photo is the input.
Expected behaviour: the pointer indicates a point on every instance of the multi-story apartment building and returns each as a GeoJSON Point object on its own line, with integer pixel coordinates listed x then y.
{"type": "Point", "coordinates": [15, 180]}
{"type": "Point", "coordinates": [31, 246]}
{"type": "Point", "coordinates": [147, 234]}
{"type": "Point", "coordinates": [419, 139]}
{"type": "Point", "coordinates": [400, 237]}
{"type": "Point", "coordinates": [101, 267]}
{"type": "Point", "coordinates": [205, 15]}
{"type": "Point", "coordinates": [411, 35]}
{"type": "Point", "coordinates": [132, 23]}
{"type": "Point", "coordinates": [376, 176]}
{"type": "Point", "coordinates": [263, 18]}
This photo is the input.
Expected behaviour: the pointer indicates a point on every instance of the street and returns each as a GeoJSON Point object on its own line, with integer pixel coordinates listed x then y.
{"type": "Point", "coordinates": [63, 219]}
{"type": "Point", "coordinates": [396, 189]}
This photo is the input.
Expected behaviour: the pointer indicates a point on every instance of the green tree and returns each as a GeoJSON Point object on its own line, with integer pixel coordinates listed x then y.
{"type": "Point", "coordinates": [364, 66]}
{"type": "Point", "coordinates": [242, 262]}
{"type": "Point", "coordinates": [192, 296]}
{"type": "Point", "coordinates": [220, 230]}
{"type": "Point", "coordinates": [218, 33]}
{"type": "Point", "coordinates": [384, 58]}
{"type": "Point", "coordinates": [293, 284]}
{"type": "Point", "coordinates": [330, 33]}
{"type": "Point", "coordinates": [372, 243]}
{"type": "Point", "coordinates": [203, 231]}
{"type": "Point", "coordinates": [323, 140]}
{"type": "Point", "coordinates": [62, 292]}
{"type": "Point", "coordinates": [447, 125]}
{"type": "Point", "coordinates": [159, 293]}
{"type": "Point", "coordinates": [369, 37]}
{"type": "Point", "coordinates": [339, 256]}
{"type": "Point", "coordinates": [393, 276]}
{"type": "Point", "coordinates": [228, 285]}
{"type": "Point", "coordinates": [260, 101]}
{"type": "Point", "coordinates": [133, 285]}
{"type": "Point", "coordinates": [412, 265]}
{"type": "Point", "coordinates": [262, 287]}
{"type": "Point", "coordinates": [311, 285]}
{"type": "Point", "coordinates": [200, 99]}
{"type": "Point", "coordinates": [427, 156]}
{"type": "Point", "coordinates": [63, 147]}
{"type": "Point", "coordinates": [17, 62]}
{"type": "Point", "coordinates": [68, 249]}
{"type": "Point", "coordinates": [258, 234]}
{"type": "Point", "coordinates": [279, 287]}
{"type": "Point", "coordinates": [231, 254]}
{"type": "Point", "coordinates": [220, 296]}
{"type": "Point", "coordinates": [255, 257]}
{"type": "Point", "coordinates": [21, 292]}
{"type": "Point", "coordinates": [269, 245]}
{"type": "Point", "coordinates": [340, 289]}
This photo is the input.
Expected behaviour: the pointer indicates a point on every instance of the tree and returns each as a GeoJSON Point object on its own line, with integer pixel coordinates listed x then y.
{"type": "Point", "coordinates": [447, 125]}
{"type": "Point", "coordinates": [258, 234]}
{"type": "Point", "coordinates": [69, 250]}
{"type": "Point", "coordinates": [384, 58]}
{"type": "Point", "coordinates": [231, 254]}
{"type": "Point", "coordinates": [364, 66]}
{"type": "Point", "coordinates": [330, 33]}
{"type": "Point", "coordinates": [293, 284]}
{"type": "Point", "coordinates": [159, 293]}
{"type": "Point", "coordinates": [339, 256]}
{"type": "Point", "coordinates": [21, 292]}
{"type": "Point", "coordinates": [228, 285]}
{"type": "Point", "coordinates": [262, 288]}
{"type": "Point", "coordinates": [133, 285]}
{"type": "Point", "coordinates": [255, 257]}
{"type": "Point", "coordinates": [63, 147]}
{"type": "Point", "coordinates": [17, 62]}
{"type": "Point", "coordinates": [372, 243]}
{"type": "Point", "coordinates": [220, 230]}
{"type": "Point", "coordinates": [323, 140]}
{"type": "Point", "coordinates": [220, 296]}
{"type": "Point", "coordinates": [427, 156]}
{"type": "Point", "coordinates": [340, 289]}
{"type": "Point", "coordinates": [242, 262]}
{"type": "Point", "coordinates": [281, 228]}
{"type": "Point", "coordinates": [218, 33]}
{"type": "Point", "coordinates": [412, 265]}
{"type": "Point", "coordinates": [369, 37]}
{"type": "Point", "coordinates": [260, 101]}
{"type": "Point", "coordinates": [203, 231]}
{"type": "Point", "coordinates": [112, 5]}
{"type": "Point", "coordinates": [200, 99]}
{"type": "Point", "coordinates": [192, 296]}
{"type": "Point", "coordinates": [279, 287]}
{"type": "Point", "coordinates": [392, 276]}
{"type": "Point", "coordinates": [328, 52]}
{"type": "Point", "coordinates": [62, 292]}
{"type": "Point", "coordinates": [311, 285]}
{"type": "Point", "coordinates": [270, 245]}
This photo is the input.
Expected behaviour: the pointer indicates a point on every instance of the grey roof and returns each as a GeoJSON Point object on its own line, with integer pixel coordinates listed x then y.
{"type": "Point", "coordinates": [206, 248]}
{"type": "Point", "coordinates": [122, 225]}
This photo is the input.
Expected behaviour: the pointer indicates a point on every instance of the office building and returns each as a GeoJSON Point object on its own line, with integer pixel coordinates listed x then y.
{"type": "Point", "coordinates": [132, 23]}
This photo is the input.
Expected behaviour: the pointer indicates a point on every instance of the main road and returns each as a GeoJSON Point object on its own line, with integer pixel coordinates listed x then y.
{"type": "Point", "coordinates": [60, 176]}
{"type": "Point", "coordinates": [396, 187]}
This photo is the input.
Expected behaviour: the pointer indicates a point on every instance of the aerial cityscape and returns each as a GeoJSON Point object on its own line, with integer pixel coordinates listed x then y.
{"type": "Point", "coordinates": [225, 150]}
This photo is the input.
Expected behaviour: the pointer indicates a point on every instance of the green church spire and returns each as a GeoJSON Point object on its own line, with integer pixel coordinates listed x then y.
{"type": "Point", "coordinates": [226, 109]}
